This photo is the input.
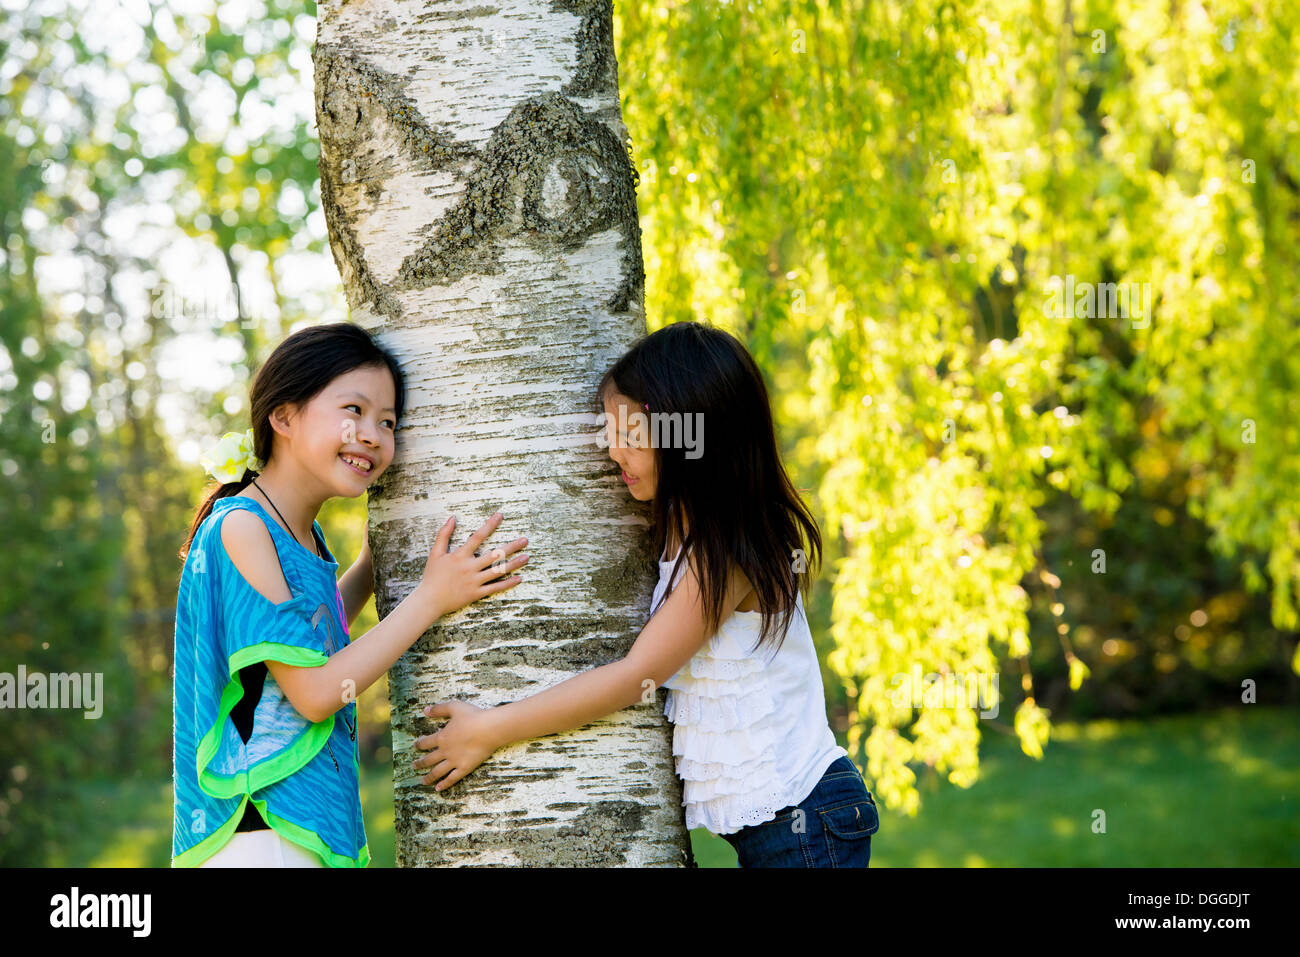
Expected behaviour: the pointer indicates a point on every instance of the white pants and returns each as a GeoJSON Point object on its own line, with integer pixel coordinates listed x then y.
{"type": "Point", "coordinates": [263, 848]}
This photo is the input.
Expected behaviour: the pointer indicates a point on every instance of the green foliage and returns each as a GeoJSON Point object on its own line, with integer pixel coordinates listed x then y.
{"type": "Point", "coordinates": [109, 138]}
{"type": "Point", "coordinates": [59, 606]}
{"type": "Point", "coordinates": [888, 203]}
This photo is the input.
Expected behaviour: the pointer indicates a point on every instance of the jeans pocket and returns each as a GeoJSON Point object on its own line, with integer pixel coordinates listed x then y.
{"type": "Point", "coordinates": [848, 829]}
{"type": "Point", "coordinates": [851, 821]}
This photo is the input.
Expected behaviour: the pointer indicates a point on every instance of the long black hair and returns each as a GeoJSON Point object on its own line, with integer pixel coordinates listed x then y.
{"type": "Point", "coordinates": [738, 505]}
{"type": "Point", "coordinates": [296, 372]}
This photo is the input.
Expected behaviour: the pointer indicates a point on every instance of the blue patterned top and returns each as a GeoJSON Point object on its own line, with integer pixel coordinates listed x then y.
{"type": "Point", "coordinates": [301, 776]}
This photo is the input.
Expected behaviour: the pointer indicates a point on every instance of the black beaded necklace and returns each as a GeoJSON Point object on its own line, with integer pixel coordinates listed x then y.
{"type": "Point", "coordinates": [286, 524]}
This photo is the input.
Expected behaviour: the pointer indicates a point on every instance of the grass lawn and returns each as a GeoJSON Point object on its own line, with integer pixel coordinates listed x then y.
{"type": "Point", "coordinates": [1216, 789]}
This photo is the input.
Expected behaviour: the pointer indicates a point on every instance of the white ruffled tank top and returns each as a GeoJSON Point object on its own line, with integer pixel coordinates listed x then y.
{"type": "Point", "coordinates": [750, 735]}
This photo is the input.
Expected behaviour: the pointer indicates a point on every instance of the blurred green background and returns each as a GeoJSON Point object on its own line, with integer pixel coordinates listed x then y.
{"type": "Point", "coordinates": [1096, 504]}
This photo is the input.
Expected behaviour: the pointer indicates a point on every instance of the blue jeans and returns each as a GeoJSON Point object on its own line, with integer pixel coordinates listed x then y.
{"type": "Point", "coordinates": [831, 827]}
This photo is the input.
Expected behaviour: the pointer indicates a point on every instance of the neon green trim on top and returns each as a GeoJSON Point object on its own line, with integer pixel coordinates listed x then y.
{"type": "Point", "coordinates": [288, 654]}
{"type": "Point", "coordinates": [299, 835]}
{"type": "Point", "coordinates": [283, 764]}
{"type": "Point", "coordinates": [201, 851]}
{"type": "Point", "coordinates": [310, 840]}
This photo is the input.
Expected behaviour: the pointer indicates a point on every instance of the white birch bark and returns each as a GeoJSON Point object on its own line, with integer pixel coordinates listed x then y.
{"type": "Point", "coordinates": [480, 197]}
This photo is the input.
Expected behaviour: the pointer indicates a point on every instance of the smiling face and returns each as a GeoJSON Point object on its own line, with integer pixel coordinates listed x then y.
{"type": "Point", "coordinates": [351, 418]}
{"type": "Point", "coordinates": [629, 445]}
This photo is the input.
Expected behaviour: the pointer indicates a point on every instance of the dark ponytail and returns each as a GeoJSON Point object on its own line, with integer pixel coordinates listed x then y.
{"type": "Point", "coordinates": [295, 373]}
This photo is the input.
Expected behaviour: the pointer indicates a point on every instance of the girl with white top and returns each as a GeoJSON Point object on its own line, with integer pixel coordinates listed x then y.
{"type": "Point", "coordinates": [727, 634]}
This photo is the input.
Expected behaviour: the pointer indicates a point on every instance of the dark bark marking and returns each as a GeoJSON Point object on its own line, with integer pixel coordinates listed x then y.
{"type": "Point", "coordinates": [351, 97]}
{"type": "Point", "coordinates": [597, 69]}
{"type": "Point", "coordinates": [504, 197]}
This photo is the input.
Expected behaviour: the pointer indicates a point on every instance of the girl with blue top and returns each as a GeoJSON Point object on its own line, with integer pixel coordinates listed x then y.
{"type": "Point", "coordinates": [727, 634]}
{"type": "Point", "coordinates": [265, 751]}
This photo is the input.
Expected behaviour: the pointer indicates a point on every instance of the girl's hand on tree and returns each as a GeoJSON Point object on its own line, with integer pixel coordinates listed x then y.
{"type": "Point", "coordinates": [459, 746]}
{"type": "Point", "coordinates": [452, 580]}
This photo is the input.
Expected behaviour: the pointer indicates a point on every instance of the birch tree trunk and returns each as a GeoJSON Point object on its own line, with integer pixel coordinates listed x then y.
{"type": "Point", "coordinates": [480, 197]}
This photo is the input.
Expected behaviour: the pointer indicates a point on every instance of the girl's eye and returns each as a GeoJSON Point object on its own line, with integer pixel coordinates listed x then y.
{"type": "Point", "coordinates": [353, 405]}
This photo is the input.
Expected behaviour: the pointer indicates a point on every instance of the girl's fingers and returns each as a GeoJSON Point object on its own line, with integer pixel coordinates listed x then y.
{"type": "Point", "coordinates": [499, 553]}
{"type": "Point", "coordinates": [478, 538]}
{"type": "Point", "coordinates": [438, 771]}
{"type": "Point", "coordinates": [444, 536]}
{"type": "Point", "coordinates": [497, 586]}
{"type": "Point", "coordinates": [450, 780]}
{"type": "Point", "coordinates": [489, 573]}
{"type": "Point", "coordinates": [489, 558]}
{"type": "Point", "coordinates": [492, 564]}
